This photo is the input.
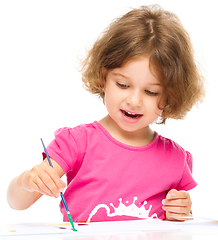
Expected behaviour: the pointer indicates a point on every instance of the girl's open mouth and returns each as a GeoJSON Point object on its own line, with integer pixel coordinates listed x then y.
{"type": "Point", "coordinates": [131, 114]}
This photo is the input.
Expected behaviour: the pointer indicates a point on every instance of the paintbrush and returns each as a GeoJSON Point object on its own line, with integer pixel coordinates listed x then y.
{"type": "Point", "coordinates": [62, 195]}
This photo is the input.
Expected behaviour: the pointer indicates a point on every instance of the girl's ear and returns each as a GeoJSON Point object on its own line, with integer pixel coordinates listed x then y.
{"type": "Point", "coordinates": [104, 72]}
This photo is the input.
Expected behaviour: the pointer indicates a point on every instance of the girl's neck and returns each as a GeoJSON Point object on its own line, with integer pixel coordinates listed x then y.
{"type": "Point", "coordinates": [141, 137]}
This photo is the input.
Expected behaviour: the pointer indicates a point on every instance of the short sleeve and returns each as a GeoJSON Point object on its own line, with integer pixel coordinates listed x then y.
{"type": "Point", "coordinates": [187, 182]}
{"type": "Point", "coordinates": [189, 161]}
{"type": "Point", "coordinates": [68, 148]}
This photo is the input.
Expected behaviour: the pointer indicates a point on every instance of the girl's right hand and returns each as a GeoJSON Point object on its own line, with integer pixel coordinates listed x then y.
{"type": "Point", "coordinates": [44, 179]}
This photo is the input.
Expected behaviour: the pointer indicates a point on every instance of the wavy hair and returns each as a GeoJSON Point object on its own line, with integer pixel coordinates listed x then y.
{"type": "Point", "coordinates": [159, 35]}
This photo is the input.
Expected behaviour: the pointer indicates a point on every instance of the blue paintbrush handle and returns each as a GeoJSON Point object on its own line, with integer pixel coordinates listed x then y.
{"type": "Point", "coordinates": [64, 202]}
{"type": "Point", "coordinates": [46, 153]}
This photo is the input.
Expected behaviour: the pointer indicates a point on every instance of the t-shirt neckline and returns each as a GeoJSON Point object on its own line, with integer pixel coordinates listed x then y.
{"type": "Point", "coordinates": [123, 145]}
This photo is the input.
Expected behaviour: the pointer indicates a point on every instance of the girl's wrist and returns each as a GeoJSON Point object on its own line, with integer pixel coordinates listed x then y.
{"type": "Point", "coordinates": [20, 180]}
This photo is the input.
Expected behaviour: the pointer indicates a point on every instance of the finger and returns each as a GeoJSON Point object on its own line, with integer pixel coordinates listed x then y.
{"type": "Point", "coordinates": [32, 182]}
{"type": "Point", "coordinates": [30, 186]}
{"type": "Point", "coordinates": [174, 194]}
{"type": "Point", "coordinates": [35, 186]}
{"type": "Point", "coordinates": [177, 209]}
{"type": "Point", "coordinates": [43, 188]}
{"type": "Point", "coordinates": [177, 202]}
{"type": "Point", "coordinates": [56, 179]}
{"type": "Point", "coordinates": [189, 217]}
{"type": "Point", "coordinates": [176, 217]}
{"type": "Point", "coordinates": [46, 183]}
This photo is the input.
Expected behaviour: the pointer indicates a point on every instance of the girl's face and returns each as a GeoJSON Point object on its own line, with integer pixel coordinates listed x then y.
{"type": "Point", "coordinates": [132, 95]}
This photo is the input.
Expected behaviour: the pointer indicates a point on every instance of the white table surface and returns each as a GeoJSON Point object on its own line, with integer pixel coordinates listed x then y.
{"type": "Point", "coordinates": [126, 230]}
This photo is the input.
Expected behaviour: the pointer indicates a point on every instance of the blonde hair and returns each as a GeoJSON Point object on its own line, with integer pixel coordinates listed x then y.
{"type": "Point", "coordinates": [159, 35]}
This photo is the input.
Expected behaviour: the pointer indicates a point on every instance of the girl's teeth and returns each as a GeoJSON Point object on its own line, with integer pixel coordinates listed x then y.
{"type": "Point", "coordinates": [129, 114]}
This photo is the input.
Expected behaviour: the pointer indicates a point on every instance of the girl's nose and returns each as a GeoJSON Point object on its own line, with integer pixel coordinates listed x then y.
{"type": "Point", "coordinates": [134, 99]}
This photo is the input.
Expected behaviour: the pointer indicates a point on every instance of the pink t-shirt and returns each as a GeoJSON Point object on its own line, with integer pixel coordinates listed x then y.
{"type": "Point", "coordinates": [111, 181]}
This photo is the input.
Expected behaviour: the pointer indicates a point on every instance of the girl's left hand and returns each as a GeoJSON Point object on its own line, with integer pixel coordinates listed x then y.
{"type": "Point", "coordinates": [177, 205]}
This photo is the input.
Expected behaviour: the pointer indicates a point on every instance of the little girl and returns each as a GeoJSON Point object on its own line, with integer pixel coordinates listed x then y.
{"type": "Point", "coordinates": [117, 168]}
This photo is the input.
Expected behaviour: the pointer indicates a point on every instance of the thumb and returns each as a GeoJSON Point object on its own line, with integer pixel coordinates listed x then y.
{"type": "Point", "coordinates": [171, 194]}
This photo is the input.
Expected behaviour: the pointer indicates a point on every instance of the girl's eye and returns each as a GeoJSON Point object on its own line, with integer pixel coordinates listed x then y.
{"type": "Point", "coordinates": [151, 93]}
{"type": "Point", "coordinates": [124, 86]}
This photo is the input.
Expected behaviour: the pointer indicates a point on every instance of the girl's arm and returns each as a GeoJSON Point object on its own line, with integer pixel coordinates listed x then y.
{"type": "Point", "coordinates": [28, 187]}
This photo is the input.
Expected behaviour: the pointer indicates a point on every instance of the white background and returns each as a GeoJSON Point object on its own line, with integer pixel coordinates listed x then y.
{"type": "Point", "coordinates": [41, 89]}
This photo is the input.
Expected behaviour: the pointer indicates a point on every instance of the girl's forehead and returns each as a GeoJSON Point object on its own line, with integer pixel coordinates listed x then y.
{"type": "Point", "coordinates": [139, 67]}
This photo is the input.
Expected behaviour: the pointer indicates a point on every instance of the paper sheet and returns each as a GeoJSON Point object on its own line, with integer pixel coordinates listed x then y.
{"type": "Point", "coordinates": [199, 226]}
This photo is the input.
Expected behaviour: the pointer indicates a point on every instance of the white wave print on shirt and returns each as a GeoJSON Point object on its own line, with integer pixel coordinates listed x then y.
{"type": "Point", "coordinates": [123, 210]}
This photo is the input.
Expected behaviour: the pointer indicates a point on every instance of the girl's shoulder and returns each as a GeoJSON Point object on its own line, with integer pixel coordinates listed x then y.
{"type": "Point", "coordinates": [78, 132]}
{"type": "Point", "coordinates": [173, 149]}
